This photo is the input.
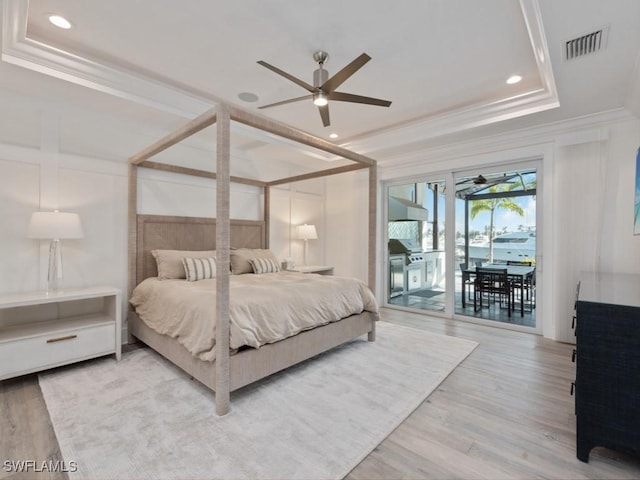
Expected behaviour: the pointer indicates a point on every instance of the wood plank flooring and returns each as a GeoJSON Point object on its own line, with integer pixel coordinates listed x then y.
{"type": "Point", "coordinates": [504, 413]}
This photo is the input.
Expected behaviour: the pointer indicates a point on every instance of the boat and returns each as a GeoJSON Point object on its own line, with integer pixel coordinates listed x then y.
{"type": "Point", "coordinates": [515, 246]}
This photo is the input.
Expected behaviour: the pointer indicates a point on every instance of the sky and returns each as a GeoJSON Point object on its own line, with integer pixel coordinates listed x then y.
{"type": "Point", "coordinates": [503, 218]}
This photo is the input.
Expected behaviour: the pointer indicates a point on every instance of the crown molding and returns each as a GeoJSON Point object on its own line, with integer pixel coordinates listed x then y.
{"type": "Point", "coordinates": [457, 121]}
{"type": "Point", "coordinates": [567, 132]}
{"type": "Point", "coordinates": [528, 103]}
{"type": "Point", "coordinates": [20, 50]}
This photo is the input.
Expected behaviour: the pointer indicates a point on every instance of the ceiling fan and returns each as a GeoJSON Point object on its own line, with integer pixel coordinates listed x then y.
{"type": "Point", "coordinates": [506, 178]}
{"type": "Point", "coordinates": [324, 88]}
{"type": "Point", "coordinates": [480, 180]}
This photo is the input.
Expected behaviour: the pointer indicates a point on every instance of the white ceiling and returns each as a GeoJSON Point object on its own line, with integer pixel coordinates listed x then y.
{"type": "Point", "coordinates": [442, 63]}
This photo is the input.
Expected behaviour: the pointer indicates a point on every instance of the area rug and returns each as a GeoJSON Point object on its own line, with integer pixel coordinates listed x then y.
{"type": "Point", "coordinates": [143, 418]}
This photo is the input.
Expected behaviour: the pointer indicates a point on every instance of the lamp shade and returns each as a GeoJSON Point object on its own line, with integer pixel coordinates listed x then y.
{"type": "Point", "coordinates": [54, 225]}
{"type": "Point", "coordinates": [307, 232]}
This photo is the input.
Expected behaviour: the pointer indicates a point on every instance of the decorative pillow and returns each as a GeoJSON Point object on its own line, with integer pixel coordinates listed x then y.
{"type": "Point", "coordinates": [239, 259]}
{"type": "Point", "coordinates": [169, 262]}
{"type": "Point", "coordinates": [264, 265]}
{"type": "Point", "coordinates": [199, 268]}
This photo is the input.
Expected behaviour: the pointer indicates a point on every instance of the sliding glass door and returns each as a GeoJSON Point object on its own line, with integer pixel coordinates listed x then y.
{"type": "Point", "coordinates": [496, 229]}
{"type": "Point", "coordinates": [417, 245]}
{"type": "Point", "coordinates": [440, 229]}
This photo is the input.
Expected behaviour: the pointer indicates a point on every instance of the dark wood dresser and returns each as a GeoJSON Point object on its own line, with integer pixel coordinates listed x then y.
{"type": "Point", "coordinates": [607, 386]}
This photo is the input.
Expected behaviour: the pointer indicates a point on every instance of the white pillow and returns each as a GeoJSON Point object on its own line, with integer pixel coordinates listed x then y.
{"type": "Point", "coordinates": [264, 265]}
{"type": "Point", "coordinates": [199, 268]}
{"type": "Point", "coordinates": [239, 258]}
{"type": "Point", "coordinates": [169, 262]}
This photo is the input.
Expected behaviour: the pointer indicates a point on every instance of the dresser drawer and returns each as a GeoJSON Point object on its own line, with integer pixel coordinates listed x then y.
{"type": "Point", "coordinates": [55, 348]}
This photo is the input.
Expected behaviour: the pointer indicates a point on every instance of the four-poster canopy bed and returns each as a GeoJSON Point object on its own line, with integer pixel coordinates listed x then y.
{"type": "Point", "coordinates": [149, 234]}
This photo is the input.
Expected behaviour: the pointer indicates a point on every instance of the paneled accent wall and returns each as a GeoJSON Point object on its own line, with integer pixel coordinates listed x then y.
{"type": "Point", "coordinates": [96, 189]}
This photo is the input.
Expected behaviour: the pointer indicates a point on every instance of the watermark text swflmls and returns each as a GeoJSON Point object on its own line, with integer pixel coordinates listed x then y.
{"type": "Point", "coordinates": [15, 466]}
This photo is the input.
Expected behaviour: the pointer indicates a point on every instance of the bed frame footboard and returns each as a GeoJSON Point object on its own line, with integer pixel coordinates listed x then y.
{"type": "Point", "coordinates": [250, 365]}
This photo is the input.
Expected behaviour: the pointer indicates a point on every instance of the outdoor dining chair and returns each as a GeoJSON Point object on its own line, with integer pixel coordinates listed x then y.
{"type": "Point", "coordinates": [492, 284]}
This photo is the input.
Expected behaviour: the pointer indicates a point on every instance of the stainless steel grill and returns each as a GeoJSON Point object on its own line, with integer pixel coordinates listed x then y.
{"type": "Point", "coordinates": [410, 248]}
{"type": "Point", "coordinates": [408, 275]}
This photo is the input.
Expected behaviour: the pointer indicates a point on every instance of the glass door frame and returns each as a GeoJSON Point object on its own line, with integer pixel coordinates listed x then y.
{"type": "Point", "coordinates": [536, 164]}
{"type": "Point", "coordinates": [387, 185]}
{"type": "Point", "coordinates": [449, 177]}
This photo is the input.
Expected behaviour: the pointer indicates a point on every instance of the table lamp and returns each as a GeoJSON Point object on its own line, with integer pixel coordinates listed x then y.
{"type": "Point", "coordinates": [306, 233]}
{"type": "Point", "coordinates": [54, 226]}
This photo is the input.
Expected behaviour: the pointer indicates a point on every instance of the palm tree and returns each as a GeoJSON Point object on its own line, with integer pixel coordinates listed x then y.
{"type": "Point", "coordinates": [490, 205]}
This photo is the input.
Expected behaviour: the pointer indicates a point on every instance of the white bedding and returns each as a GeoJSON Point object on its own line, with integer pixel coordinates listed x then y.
{"type": "Point", "coordinates": [263, 308]}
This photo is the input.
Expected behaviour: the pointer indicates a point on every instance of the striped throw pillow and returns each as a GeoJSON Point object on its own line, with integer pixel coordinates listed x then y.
{"type": "Point", "coordinates": [199, 268]}
{"type": "Point", "coordinates": [264, 265]}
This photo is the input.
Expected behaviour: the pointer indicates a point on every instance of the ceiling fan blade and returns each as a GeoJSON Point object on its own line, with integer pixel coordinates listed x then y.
{"type": "Point", "coordinates": [283, 102]}
{"type": "Point", "coordinates": [295, 80]}
{"type": "Point", "coordinates": [324, 114]}
{"type": "Point", "coordinates": [349, 97]}
{"type": "Point", "coordinates": [340, 77]}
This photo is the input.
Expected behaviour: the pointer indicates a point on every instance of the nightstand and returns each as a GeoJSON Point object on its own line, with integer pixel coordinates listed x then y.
{"type": "Point", "coordinates": [40, 330]}
{"type": "Point", "coordinates": [319, 269]}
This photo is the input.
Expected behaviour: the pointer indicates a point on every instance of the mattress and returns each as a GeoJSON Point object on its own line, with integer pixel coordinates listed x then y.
{"type": "Point", "coordinates": [262, 308]}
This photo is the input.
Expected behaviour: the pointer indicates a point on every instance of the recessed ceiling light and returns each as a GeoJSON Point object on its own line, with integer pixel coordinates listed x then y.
{"type": "Point", "coordinates": [513, 79]}
{"type": "Point", "coordinates": [60, 22]}
{"type": "Point", "coordinates": [333, 135]}
{"type": "Point", "coordinates": [248, 97]}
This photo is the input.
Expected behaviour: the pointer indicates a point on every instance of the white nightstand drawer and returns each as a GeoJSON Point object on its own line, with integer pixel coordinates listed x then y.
{"type": "Point", "coordinates": [40, 330]}
{"type": "Point", "coordinates": [55, 348]}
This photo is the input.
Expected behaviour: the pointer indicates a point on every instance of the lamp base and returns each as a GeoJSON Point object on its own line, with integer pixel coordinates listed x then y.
{"type": "Point", "coordinates": [54, 275]}
{"type": "Point", "coordinates": [306, 245]}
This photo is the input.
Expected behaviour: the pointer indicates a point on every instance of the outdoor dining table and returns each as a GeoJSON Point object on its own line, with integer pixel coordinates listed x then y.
{"type": "Point", "coordinates": [518, 274]}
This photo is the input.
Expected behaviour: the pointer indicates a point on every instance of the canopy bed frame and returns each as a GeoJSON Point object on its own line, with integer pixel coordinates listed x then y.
{"type": "Point", "coordinates": [148, 232]}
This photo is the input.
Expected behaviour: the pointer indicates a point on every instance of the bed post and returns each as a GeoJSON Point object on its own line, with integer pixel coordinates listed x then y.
{"type": "Point", "coordinates": [222, 259]}
{"type": "Point", "coordinates": [267, 214]}
{"type": "Point", "coordinates": [373, 215]}
{"type": "Point", "coordinates": [132, 237]}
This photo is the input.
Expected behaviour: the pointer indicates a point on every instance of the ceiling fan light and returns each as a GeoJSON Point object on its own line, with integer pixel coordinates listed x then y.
{"type": "Point", "coordinates": [320, 99]}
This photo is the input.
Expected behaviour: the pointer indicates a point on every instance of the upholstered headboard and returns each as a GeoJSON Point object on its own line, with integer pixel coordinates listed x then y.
{"type": "Point", "coordinates": [188, 233]}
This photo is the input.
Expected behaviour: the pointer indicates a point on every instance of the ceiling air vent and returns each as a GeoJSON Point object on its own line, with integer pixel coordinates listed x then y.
{"type": "Point", "coordinates": [585, 44]}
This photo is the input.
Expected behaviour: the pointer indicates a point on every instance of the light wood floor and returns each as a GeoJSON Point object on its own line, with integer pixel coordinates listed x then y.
{"type": "Point", "coordinates": [504, 413]}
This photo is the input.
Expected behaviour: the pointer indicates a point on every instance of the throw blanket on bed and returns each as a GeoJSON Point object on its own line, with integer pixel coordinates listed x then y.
{"type": "Point", "coordinates": [263, 308]}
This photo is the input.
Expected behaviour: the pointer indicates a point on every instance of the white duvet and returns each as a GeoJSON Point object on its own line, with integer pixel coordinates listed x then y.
{"type": "Point", "coordinates": [263, 308]}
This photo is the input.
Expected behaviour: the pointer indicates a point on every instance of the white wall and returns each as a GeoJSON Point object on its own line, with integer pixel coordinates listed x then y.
{"type": "Point", "coordinates": [594, 185]}
{"type": "Point", "coordinates": [19, 196]}
{"type": "Point", "coordinates": [33, 180]}
{"type": "Point", "coordinates": [347, 223]}
{"type": "Point", "coordinates": [292, 205]}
